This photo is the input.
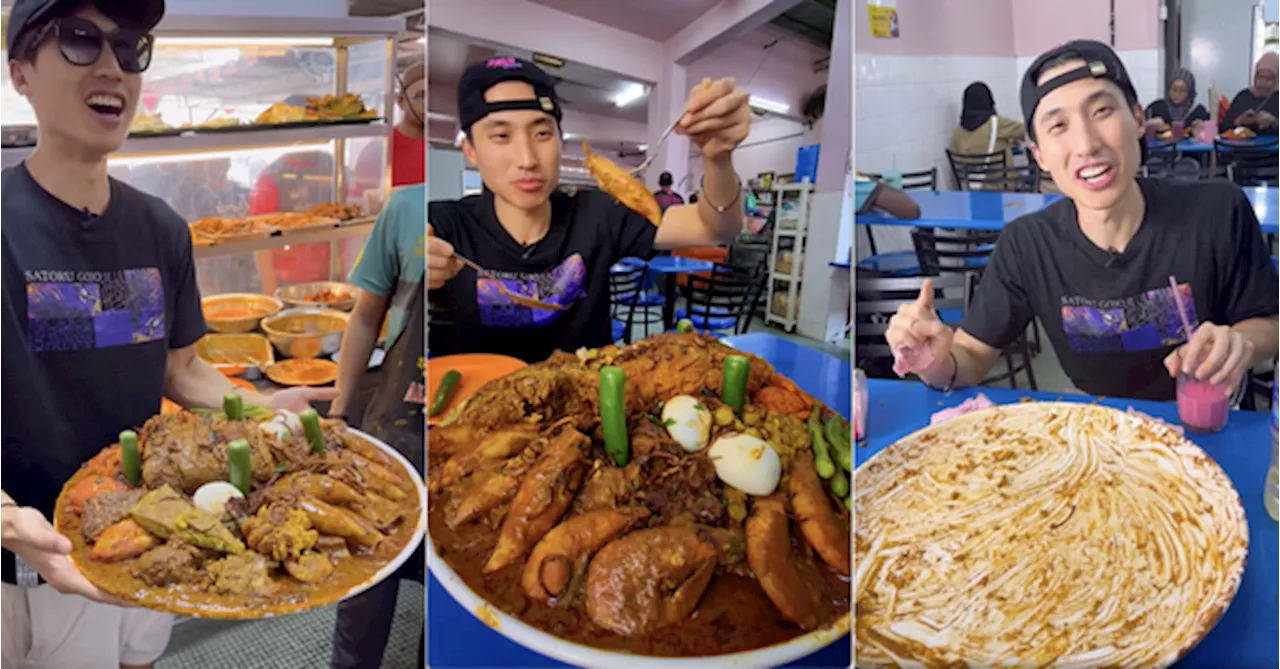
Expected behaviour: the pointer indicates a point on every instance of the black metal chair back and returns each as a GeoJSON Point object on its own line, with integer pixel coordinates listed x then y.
{"type": "Point", "coordinates": [962, 162]}
{"type": "Point", "coordinates": [942, 251]}
{"type": "Point", "coordinates": [625, 284]}
{"type": "Point", "coordinates": [921, 180]}
{"type": "Point", "coordinates": [1251, 166]}
{"type": "Point", "coordinates": [725, 300]}
{"type": "Point", "coordinates": [877, 299]}
{"type": "Point", "coordinates": [1008, 179]}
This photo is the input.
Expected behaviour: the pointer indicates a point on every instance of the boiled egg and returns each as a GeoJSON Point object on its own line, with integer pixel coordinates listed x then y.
{"type": "Point", "coordinates": [289, 419]}
{"type": "Point", "coordinates": [688, 422]}
{"type": "Point", "coordinates": [746, 463]}
{"type": "Point", "coordinates": [275, 429]}
{"type": "Point", "coordinates": [214, 495]}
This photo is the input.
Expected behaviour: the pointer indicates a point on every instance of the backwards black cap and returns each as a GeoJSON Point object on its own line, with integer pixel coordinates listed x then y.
{"type": "Point", "coordinates": [1100, 62]}
{"type": "Point", "coordinates": [28, 14]}
{"type": "Point", "coordinates": [482, 76]}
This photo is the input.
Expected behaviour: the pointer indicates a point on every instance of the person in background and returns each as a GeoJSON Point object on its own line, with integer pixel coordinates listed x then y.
{"type": "Point", "coordinates": [1094, 267]}
{"type": "Point", "coordinates": [871, 194]}
{"type": "Point", "coordinates": [1256, 106]}
{"type": "Point", "coordinates": [548, 245]}
{"type": "Point", "coordinates": [1179, 105]}
{"type": "Point", "coordinates": [389, 275]}
{"type": "Point", "coordinates": [981, 129]}
{"type": "Point", "coordinates": [665, 196]}
{"type": "Point", "coordinates": [408, 139]}
{"type": "Point", "coordinates": [100, 315]}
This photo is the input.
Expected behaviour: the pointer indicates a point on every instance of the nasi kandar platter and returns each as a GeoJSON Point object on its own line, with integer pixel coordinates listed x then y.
{"type": "Point", "coordinates": [242, 513]}
{"type": "Point", "coordinates": [670, 498]}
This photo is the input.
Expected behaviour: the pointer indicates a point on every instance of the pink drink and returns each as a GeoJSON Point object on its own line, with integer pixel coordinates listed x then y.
{"type": "Point", "coordinates": [1208, 131]}
{"type": "Point", "coordinates": [1179, 131]}
{"type": "Point", "coordinates": [1151, 132]}
{"type": "Point", "coordinates": [860, 402]}
{"type": "Point", "coordinates": [1202, 406]}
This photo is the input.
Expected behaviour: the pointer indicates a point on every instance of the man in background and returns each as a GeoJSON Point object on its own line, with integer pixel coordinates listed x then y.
{"type": "Point", "coordinates": [408, 139]}
{"type": "Point", "coordinates": [665, 196]}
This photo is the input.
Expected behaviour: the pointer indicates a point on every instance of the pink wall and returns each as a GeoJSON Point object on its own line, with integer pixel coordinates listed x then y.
{"type": "Point", "coordinates": [943, 28]}
{"type": "Point", "coordinates": [1039, 25]}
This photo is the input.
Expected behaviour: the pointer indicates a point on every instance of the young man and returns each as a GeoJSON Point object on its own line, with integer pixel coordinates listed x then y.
{"type": "Point", "coordinates": [1094, 268]}
{"type": "Point", "coordinates": [548, 245]}
{"type": "Point", "coordinates": [100, 315]}
{"type": "Point", "coordinates": [665, 195]}
{"type": "Point", "coordinates": [389, 275]}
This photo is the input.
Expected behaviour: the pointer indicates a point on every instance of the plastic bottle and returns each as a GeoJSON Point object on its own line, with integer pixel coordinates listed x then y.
{"type": "Point", "coordinates": [1271, 491]}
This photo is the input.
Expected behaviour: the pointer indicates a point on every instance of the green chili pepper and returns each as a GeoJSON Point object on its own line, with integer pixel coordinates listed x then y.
{"type": "Point", "coordinates": [448, 384]}
{"type": "Point", "coordinates": [613, 414]}
{"type": "Point", "coordinates": [848, 502]}
{"type": "Point", "coordinates": [684, 326]}
{"type": "Point", "coordinates": [233, 406]}
{"type": "Point", "coordinates": [839, 485]}
{"type": "Point", "coordinates": [841, 450]}
{"type": "Point", "coordinates": [734, 388]}
{"type": "Point", "coordinates": [130, 459]}
{"type": "Point", "coordinates": [821, 458]}
{"type": "Point", "coordinates": [311, 428]}
{"type": "Point", "coordinates": [257, 411]}
{"type": "Point", "coordinates": [239, 457]}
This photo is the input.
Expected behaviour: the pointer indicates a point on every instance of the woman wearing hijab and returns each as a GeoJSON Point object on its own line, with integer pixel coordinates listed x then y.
{"type": "Point", "coordinates": [1255, 106]}
{"type": "Point", "coordinates": [981, 129]}
{"type": "Point", "coordinates": [1179, 105]}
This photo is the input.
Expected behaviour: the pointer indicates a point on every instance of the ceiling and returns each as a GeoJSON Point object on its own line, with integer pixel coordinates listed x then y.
{"type": "Point", "coordinates": [581, 88]}
{"type": "Point", "coordinates": [811, 20]}
{"type": "Point", "coordinates": [383, 7]}
{"type": "Point", "coordinates": [655, 19]}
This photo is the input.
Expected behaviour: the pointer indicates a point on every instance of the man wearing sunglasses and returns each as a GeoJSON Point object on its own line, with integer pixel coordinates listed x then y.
{"type": "Point", "coordinates": [99, 312]}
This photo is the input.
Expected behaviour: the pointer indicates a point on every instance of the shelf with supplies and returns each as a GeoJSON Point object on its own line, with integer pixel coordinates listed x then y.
{"type": "Point", "coordinates": [786, 258]}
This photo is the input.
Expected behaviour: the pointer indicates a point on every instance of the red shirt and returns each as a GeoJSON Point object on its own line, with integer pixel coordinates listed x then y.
{"type": "Point", "coordinates": [408, 159]}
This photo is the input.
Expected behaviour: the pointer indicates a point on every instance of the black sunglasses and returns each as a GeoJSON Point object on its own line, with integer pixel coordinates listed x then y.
{"type": "Point", "coordinates": [80, 42]}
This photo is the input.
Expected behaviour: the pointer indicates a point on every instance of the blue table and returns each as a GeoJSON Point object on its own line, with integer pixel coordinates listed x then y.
{"type": "Point", "coordinates": [457, 639]}
{"type": "Point", "coordinates": [1246, 635]}
{"type": "Point", "coordinates": [669, 267]}
{"type": "Point", "coordinates": [1196, 146]}
{"type": "Point", "coordinates": [990, 210]}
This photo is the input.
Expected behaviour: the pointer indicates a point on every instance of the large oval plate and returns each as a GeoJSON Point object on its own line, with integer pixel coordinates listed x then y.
{"type": "Point", "coordinates": [585, 656]}
{"type": "Point", "coordinates": [207, 610]}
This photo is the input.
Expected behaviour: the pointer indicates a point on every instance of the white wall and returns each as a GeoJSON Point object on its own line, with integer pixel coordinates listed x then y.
{"type": "Point", "coordinates": [771, 147]}
{"type": "Point", "coordinates": [444, 174]}
{"type": "Point", "coordinates": [1217, 43]}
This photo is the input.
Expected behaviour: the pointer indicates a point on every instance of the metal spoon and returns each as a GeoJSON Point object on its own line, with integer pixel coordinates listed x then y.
{"type": "Point", "coordinates": [518, 299]}
{"type": "Point", "coordinates": [653, 150]}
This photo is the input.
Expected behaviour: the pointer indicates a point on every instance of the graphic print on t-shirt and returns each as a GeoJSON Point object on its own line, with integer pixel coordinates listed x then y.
{"type": "Point", "coordinates": [563, 285]}
{"type": "Point", "coordinates": [1141, 322]}
{"type": "Point", "coordinates": [76, 311]}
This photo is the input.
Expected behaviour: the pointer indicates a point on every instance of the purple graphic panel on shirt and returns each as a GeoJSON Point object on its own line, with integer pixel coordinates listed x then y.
{"type": "Point", "coordinates": [76, 311]}
{"type": "Point", "coordinates": [564, 285]}
{"type": "Point", "coordinates": [1142, 322]}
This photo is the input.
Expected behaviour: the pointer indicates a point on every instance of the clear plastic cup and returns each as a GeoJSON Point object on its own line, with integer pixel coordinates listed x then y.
{"type": "Point", "coordinates": [1179, 131]}
{"type": "Point", "coordinates": [860, 402]}
{"type": "Point", "coordinates": [1202, 406]}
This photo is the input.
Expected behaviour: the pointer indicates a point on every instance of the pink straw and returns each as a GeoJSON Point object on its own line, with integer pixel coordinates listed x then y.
{"type": "Point", "coordinates": [1182, 308]}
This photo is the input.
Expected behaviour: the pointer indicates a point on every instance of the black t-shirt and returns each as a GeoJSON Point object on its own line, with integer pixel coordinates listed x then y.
{"type": "Point", "coordinates": [1160, 108]}
{"type": "Point", "coordinates": [1245, 101]}
{"type": "Point", "coordinates": [590, 231]}
{"type": "Point", "coordinates": [1112, 318]}
{"type": "Point", "coordinates": [91, 308]}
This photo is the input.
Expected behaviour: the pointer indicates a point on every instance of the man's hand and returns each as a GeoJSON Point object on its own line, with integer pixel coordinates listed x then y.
{"type": "Point", "coordinates": [1266, 120]}
{"type": "Point", "coordinates": [28, 534]}
{"type": "Point", "coordinates": [1247, 118]}
{"type": "Point", "coordinates": [1215, 353]}
{"type": "Point", "coordinates": [297, 399]}
{"type": "Point", "coordinates": [917, 324]}
{"type": "Point", "coordinates": [717, 117]}
{"type": "Point", "coordinates": [1160, 124]}
{"type": "Point", "coordinates": [441, 265]}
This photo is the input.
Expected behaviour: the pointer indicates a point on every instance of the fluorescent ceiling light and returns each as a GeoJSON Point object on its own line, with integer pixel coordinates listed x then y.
{"type": "Point", "coordinates": [629, 95]}
{"type": "Point", "coordinates": [461, 136]}
{"type": "Point", "coordinates": [571, 135]}
{"type": "Point", "coordinates": [769, 105]}
{"type": "Point", "coordinates": [422, 40]}
{"type": "Point", "coordinates": [234, 41]}
{"type": "Point", "coordinates": [642, 147]}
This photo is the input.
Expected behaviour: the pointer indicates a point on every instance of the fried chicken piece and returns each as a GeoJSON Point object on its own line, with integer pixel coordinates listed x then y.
{"type": "Point", "coordinates": [173, 563]}
{"type": "Point", "coordinates": [826, 531]}
{"type": "Point", "coordinates": [624, 188]}
{"type": "Point", "coordinates": [781, 573]}
{"type": "Point", "coordinates": [562, 555]}
{"type": "Point", "coordinates": [310, 567]}
{"type": "Point", "coordinates": [544, 496]}
{"type": "Point", "coordinates": [649, 579]}
{"type": "Point", "coordinates": [248, 573]}
{"type": "Point", "coordinates": [123, 540]}
{"type": "Point", "coordinates": [279, 531]}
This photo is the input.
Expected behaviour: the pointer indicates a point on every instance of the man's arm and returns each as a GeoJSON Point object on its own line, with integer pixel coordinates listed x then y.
{"type": "Point", "coordinates": [194, 383]}
{"type": "Point", "coordinates": [973, 361]}
{"type": "Point", "coordinates": [695, 225]}
{"type": "Point", "coordinates": [357, 345]}
{"type": "Point", "coordinates": [1263, 333]}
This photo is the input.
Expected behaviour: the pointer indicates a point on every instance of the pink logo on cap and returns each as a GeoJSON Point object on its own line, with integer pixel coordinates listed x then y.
{"type": "Point", "coordinates": [503, 63]}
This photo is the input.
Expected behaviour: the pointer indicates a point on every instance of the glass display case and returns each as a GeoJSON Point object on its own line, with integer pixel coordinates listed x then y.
{"type": "Point", "coordinates": [225, 129]}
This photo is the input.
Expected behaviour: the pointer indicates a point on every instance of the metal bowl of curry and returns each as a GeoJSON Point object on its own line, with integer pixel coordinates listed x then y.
{"type": "Point", "coordinates": [237, 313]}
{"type": "Point", "coordinates": [538, 529]}
{"type": "Point", "coordinates": [306, 333]}
{"type": "Point", "coordinates": [322, 294]}
{"type": "Point", "coordinates": [319, 523]}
